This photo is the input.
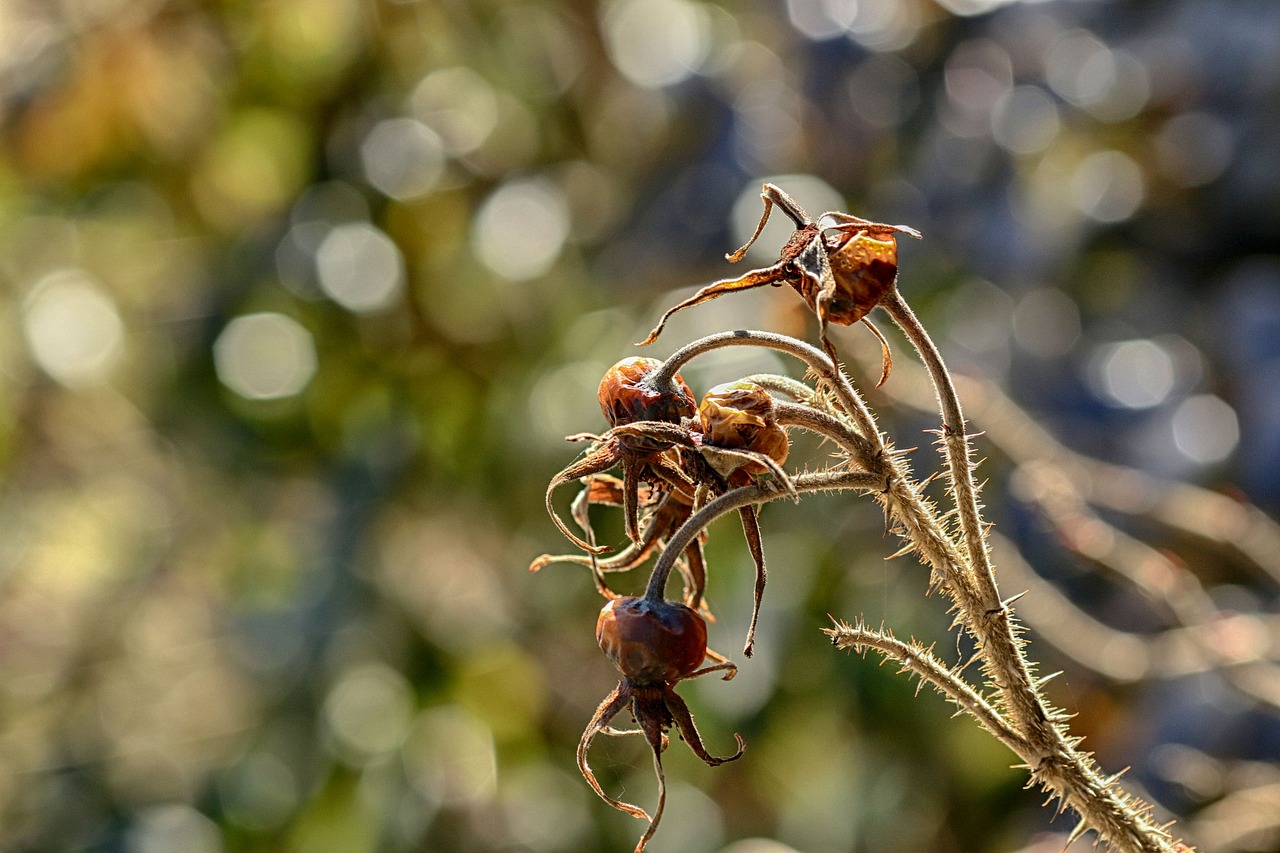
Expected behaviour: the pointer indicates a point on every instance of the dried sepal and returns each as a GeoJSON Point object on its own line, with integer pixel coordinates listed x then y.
{"type": "Point", "coordinates": [843, 266]}
{"type": "Point", "coordinates": [612, 705]}
{"type": "Point", "coordinates": [652, 642]}
{"type": "Point", "coordinates": [755, 544]}
{"type": "Point", "coordinates": [886, 354]}
{"type": "Point", "coordinates": [598, 460]}
{"type": "Point", "coordinates": [664, 517]}
{"type": "Point", "coordinates": [756, 278]}
{"type": "Point", "coordinates": [645, 422]}
{"type": "Point", "coordinates": [684, 722]}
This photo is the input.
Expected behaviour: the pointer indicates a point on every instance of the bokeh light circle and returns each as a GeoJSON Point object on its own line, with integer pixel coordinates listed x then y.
{"type": "Point", "coordinates": [73, 328]}
{"type": "Point", "coordinates": [521, 228]}
{"type": "Point", "coordinates": [360, 268]}
{"type": "Point", "coordinates": [656, 43]}
{"type": "Point", "coordinates": [264, 356]}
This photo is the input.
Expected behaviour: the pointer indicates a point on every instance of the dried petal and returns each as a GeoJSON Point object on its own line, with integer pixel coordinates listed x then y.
{"type": "Point", "coordinates": [733, 414]}
{"type": "Point", "coordinates": [739, 415]}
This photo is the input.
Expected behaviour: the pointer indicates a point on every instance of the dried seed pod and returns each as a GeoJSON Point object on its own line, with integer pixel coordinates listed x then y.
{"type": "Point", "coordinates": [841, 265]}
{"type": "Point", "coordinates": [655, 644]}
{"type": "Point", "coordinates": [739, 416]}
{"type": "Point", "coordinates": [652, 642]}
{"type": "Point", "coordinates": [626, 395]}
{"type": "Point", "coordinates": [864, 265]}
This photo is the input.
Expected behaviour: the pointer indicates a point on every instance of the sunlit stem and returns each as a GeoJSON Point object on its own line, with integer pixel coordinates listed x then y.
{"type": "Point", "coordinates": [1001, 644]}
{"type": "Point", "coordinates": [745, 496]}
{"type": "Point", "coordinates": [818, 361]}
{"type": "Point", "coordinates": [790, 206]}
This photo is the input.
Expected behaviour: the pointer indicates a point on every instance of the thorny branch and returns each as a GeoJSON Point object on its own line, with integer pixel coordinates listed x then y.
{"type": "Point", "coordinates": [1065, 486]}
{"type": "Point", "coordinates": [844, 267]}
{"type": "Point", "coordinates": [1055, 760]}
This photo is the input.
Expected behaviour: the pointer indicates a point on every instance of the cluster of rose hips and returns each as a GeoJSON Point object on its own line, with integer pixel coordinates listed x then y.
{"type": "Point", "coordinates": [674, 455]}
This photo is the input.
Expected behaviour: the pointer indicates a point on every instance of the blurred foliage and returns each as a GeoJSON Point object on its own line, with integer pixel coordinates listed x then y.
{"type": "Point", "coordinates": [302, 296]}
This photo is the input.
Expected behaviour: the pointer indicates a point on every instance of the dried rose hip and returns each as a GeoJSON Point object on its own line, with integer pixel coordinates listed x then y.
{"type": "Point", "coordinates": [626, 396]}
{"type": "Point", "coordinates": [841, 265]}
{"type": "Point", "coordinates": [655, 644]}
{"type": "Point", "coordinates": [652, 641]}
{"type": "Point", "coordinates": [739, 416]}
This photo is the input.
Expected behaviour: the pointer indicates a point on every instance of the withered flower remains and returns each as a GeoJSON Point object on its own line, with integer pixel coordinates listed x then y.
{"type": "Point", "coordinates": [841, 265]}
{"type": "Point", "coordinates": [683, 463]}
{"type": "Point", "coordinates": [655, 644]}
{"type": "Point", "coordinates": [645, 426]}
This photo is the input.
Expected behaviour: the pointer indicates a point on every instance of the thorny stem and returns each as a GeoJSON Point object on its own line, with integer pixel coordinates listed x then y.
{"type": "Point", "coordinates": [757, 493]}
{"type": "Point", "coordinates": [1014, 676]}
{"type": "Point", "coordinates": [1054, 762]}
{"type": "Point", "coordinates": [900, 496]}
{"type": "Point", "coordinates": [1057, 764]}
{"type": "Point", "coordinates": [1064, 485]}
{"type": "Point", "coordinates": [921, 661]}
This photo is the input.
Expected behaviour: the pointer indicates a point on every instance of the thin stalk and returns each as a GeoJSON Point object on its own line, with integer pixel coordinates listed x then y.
{"type": "Point", "coordinates": [922, 662]}
{"type": "Point", "coordinates": [822, 366]}
{"type": "Point", "coordinates": [987, 613]}
{"type": "Point", "coordinates": [757, 493]}
{"type": "Point", "coordinates": [1055, 762]}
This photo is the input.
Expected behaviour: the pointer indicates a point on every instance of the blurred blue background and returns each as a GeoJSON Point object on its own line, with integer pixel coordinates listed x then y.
{"type": "Point", "coordinates": [301, 297]}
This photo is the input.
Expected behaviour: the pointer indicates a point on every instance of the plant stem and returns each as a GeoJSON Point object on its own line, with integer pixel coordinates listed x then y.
{"type": "Point", "coordinates": [815, 358]}
{"type": "Point", "coordinates": [1054, 761]}
{"type": "Point", "coordinates": [757, 493]}
{"type": "Point", "coordinates": [921, 661]}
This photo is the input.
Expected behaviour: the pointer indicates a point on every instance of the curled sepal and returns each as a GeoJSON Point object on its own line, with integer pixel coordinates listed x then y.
{"type": "Point", "coordinates": [601, 489]}
{"type": "Point", "coordinates": [684, 722]}
{"type": "Point", "coordinates": [756, 278]}
{"type": "Point", "coordinates": [597, 460]}
{"type": "Point", "coordinates": [612, 705]}
{"type": "Point", "coordinates": [755, 543]}
{"type": "Point", "coordinates": [834, 219]}
{"type": "Point", "coordinates": [727, 462]}
{"type": "Point", "coordinates": [662, 797]}
{"type": "Point", "coordinates": [886, 354]}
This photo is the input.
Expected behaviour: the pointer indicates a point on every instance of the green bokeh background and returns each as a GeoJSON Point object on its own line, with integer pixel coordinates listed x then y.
{"type": "Point", "coordinates": [270, 593]}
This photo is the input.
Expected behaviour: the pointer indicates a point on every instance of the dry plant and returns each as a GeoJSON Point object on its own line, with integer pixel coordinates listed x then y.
{"type": "Point", "coordinates": [685, 464]}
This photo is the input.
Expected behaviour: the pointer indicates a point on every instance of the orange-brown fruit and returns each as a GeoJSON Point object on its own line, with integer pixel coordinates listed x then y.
{"type": "Point", "coordinates": [864, 265]}
{"type": "Point", "coordinates": [626, 395]}
{"type": "Point", "coordinates": [652, 642]}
